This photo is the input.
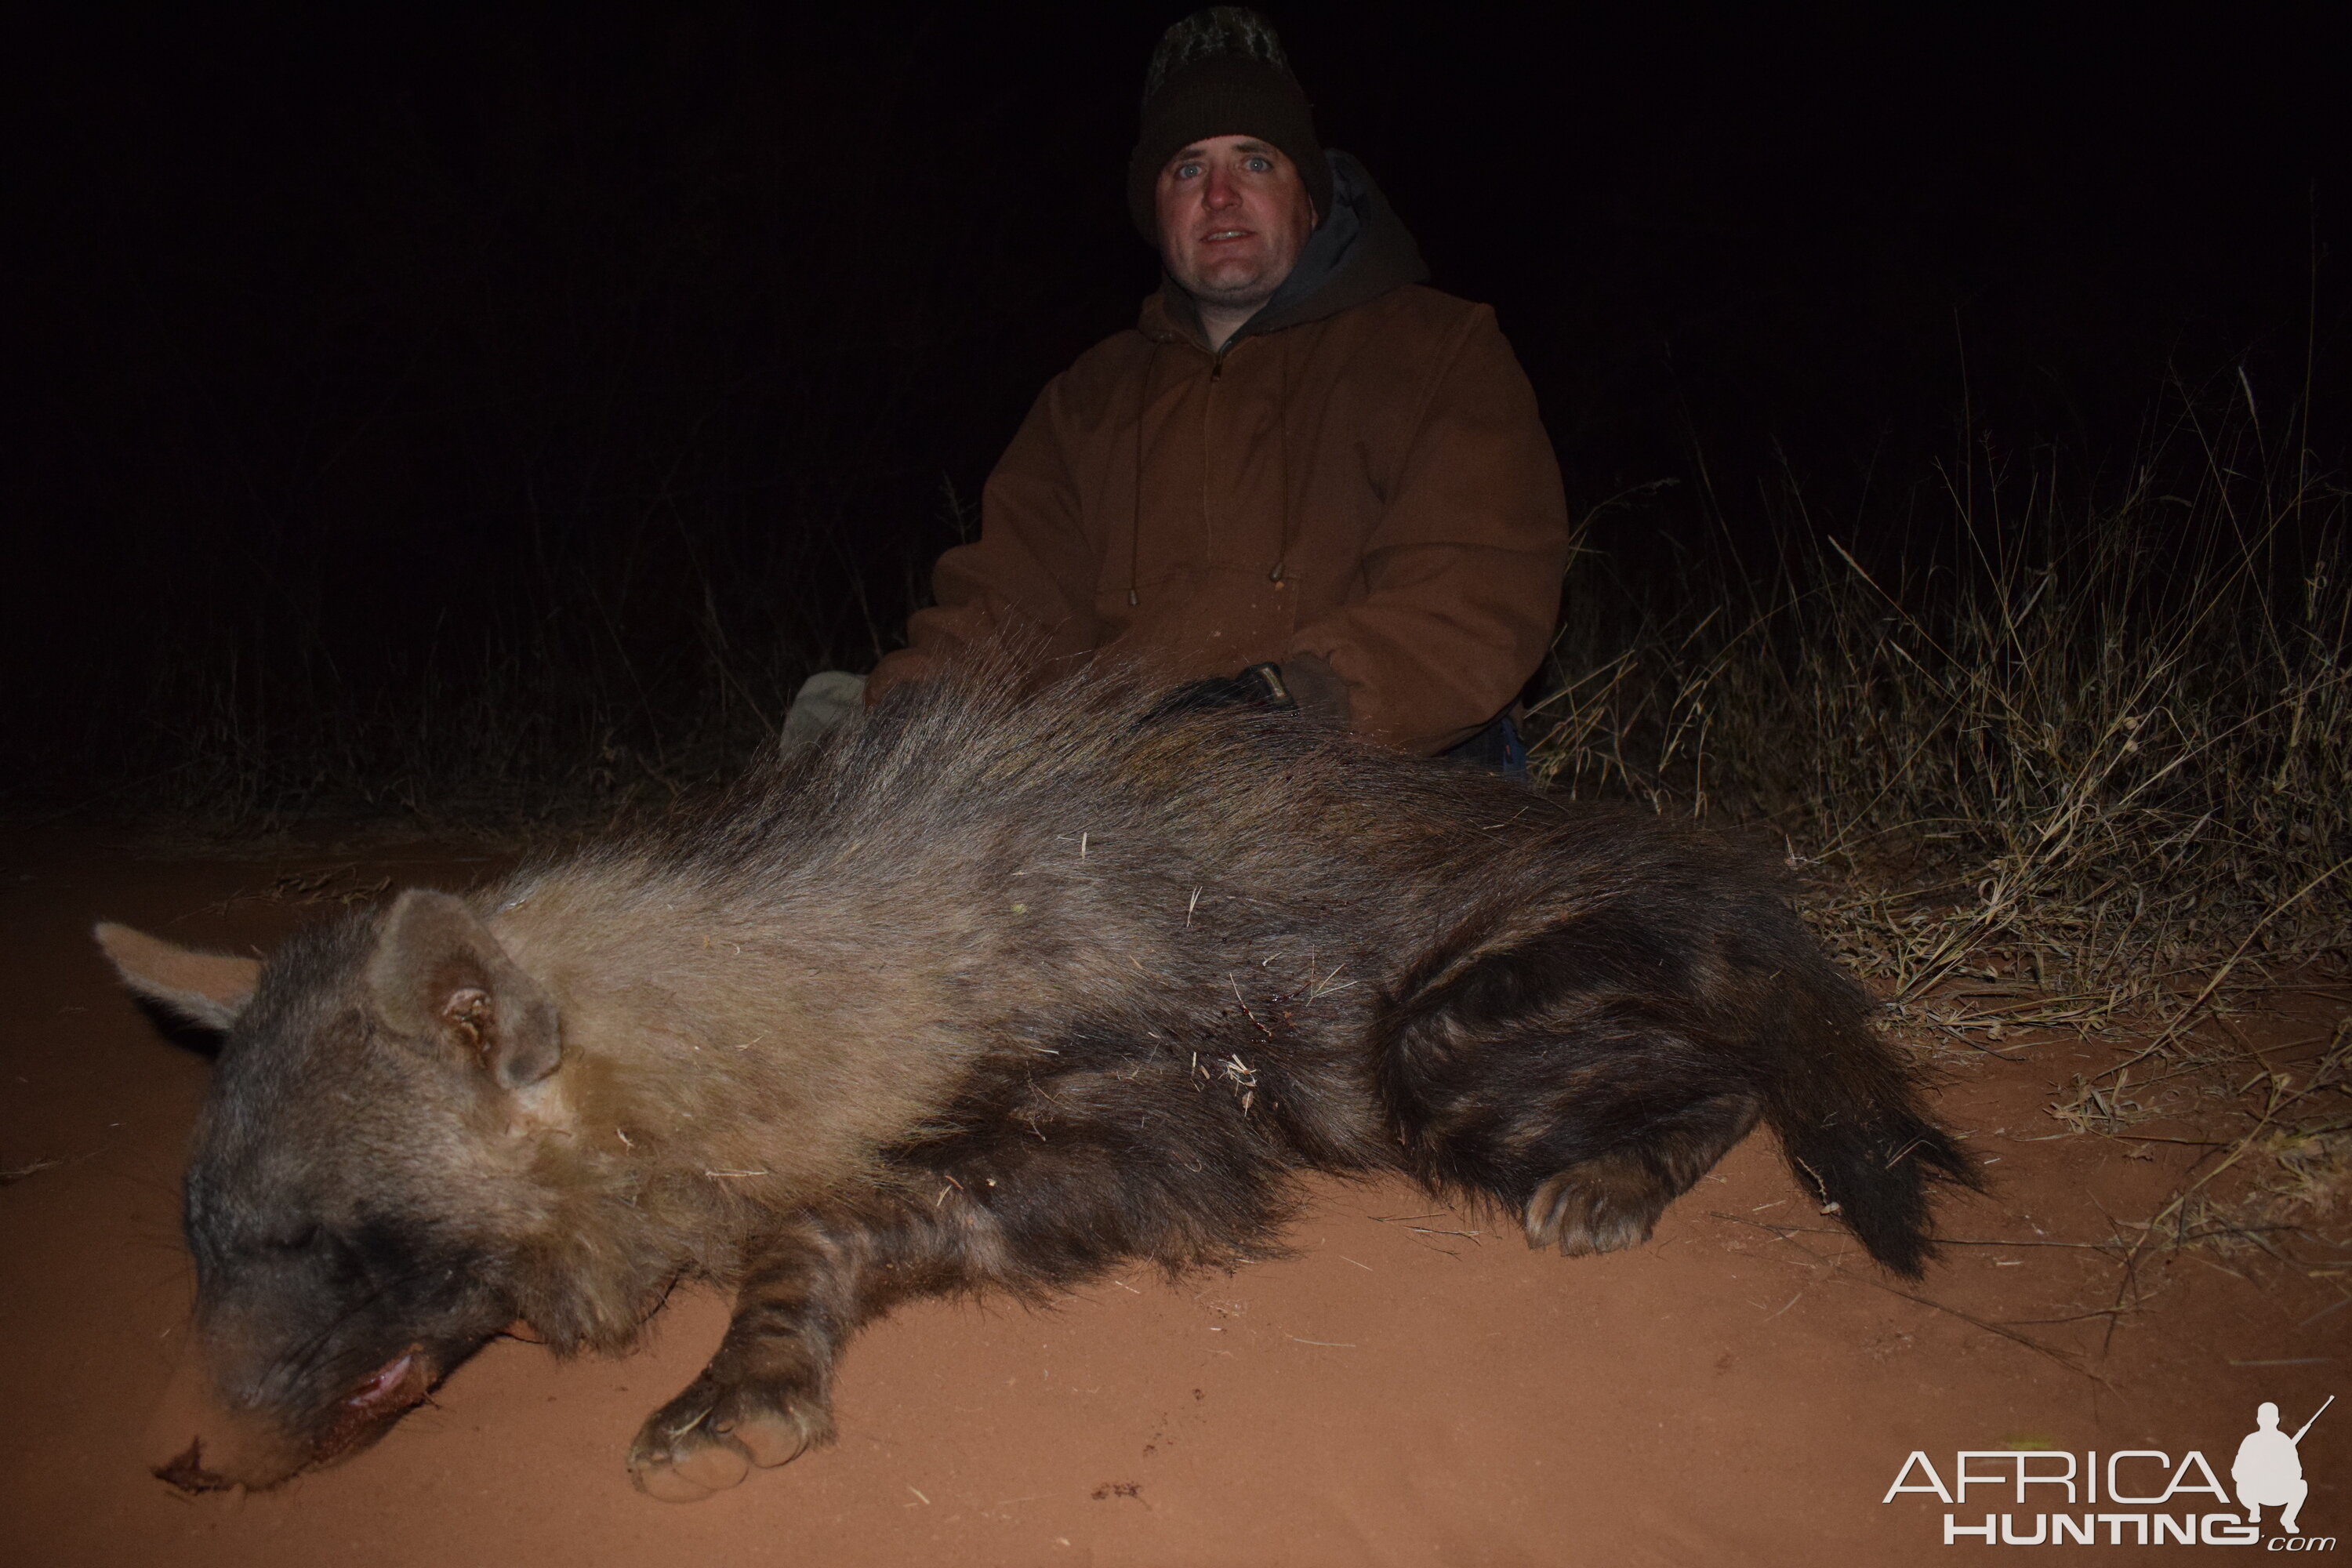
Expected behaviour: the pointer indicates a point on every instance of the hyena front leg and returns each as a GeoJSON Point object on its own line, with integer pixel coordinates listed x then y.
{"type": "Point", "coordinates": [1069, 1179]}
{"type": "Point", "coordinates": [766, 1396]}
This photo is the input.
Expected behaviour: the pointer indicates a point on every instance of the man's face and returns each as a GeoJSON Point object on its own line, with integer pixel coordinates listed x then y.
{"type": "Point", "coordinates": [1234, 215]}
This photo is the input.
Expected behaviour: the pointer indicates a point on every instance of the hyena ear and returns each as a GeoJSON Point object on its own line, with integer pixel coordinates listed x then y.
{"type": "Point", "coordinates": [438, 975]}
{"type": "Point", "coordinates": [206, 988]}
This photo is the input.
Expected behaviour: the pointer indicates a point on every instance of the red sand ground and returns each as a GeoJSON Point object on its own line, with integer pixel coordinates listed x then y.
{"type": "Point", "coordinates": [1413, 1387]}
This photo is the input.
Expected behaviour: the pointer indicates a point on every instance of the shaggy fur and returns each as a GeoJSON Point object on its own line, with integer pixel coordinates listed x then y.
{"type": "Point", "coordinates": [989, 991]}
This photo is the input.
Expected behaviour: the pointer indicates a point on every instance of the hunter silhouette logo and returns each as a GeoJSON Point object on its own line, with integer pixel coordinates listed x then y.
{"type": "Point", "coordinates": [2269, 1468]}
{"type": "Point", "coordinates": [2160, 1496]}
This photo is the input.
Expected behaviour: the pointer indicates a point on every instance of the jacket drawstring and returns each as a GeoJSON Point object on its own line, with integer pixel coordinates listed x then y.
{"type": "Point", "coordinates": [1282, 427]}
{"type": "Point", "coordinates": [1135, 516]}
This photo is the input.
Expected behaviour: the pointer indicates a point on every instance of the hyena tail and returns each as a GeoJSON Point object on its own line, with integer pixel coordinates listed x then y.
{"type": "Point", "coordinates": [1849, 1115]}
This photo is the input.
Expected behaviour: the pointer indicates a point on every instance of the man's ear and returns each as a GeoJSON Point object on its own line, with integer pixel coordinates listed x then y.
{"type": "Point", "coordinates": [205, 988]}
{"type": "Point", "coordinates": [439, 977]}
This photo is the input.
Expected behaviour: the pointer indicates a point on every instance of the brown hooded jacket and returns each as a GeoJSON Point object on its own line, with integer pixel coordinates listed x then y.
{"type": "Point", "coordinates": [1360, 478]}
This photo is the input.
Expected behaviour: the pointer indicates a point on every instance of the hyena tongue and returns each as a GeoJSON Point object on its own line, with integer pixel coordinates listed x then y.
{"type": "Point", "coordinates": [399, 1383]}
{"type": "Point", "coordinates": [365, 1413]}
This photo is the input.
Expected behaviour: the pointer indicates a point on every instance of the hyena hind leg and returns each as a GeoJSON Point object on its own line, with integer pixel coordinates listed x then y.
{"type": "Point", "coordinates": [1572, 1077]}
{"type": "Point", "coordinates": [1611, 1201]}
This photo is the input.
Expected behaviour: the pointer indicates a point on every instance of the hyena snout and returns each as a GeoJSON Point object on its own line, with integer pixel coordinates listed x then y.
{"type": "Point", "coordinates": [212, 1429]}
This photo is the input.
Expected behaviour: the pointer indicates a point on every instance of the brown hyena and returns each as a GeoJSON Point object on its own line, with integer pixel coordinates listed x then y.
{"type": "Point", "coordinates": [989, 991]}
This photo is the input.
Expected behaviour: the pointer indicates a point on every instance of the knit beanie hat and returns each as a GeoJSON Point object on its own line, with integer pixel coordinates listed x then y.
{"type": "Point", "coordinates": [1220, 72]}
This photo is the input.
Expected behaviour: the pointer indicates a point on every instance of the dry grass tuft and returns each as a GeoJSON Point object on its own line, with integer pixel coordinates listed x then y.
{"type": "Point", "coordinates": [2090, 768]}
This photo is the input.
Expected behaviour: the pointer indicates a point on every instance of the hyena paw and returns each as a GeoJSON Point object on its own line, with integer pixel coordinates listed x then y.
{"type": "Point", "coordinates": [1601, 1204]}
{"type": "Point", "coordinates": [708, 1438]}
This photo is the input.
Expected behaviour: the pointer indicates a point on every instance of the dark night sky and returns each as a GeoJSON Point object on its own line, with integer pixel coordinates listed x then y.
{"type": "Point", "coordinates": [341, 319]}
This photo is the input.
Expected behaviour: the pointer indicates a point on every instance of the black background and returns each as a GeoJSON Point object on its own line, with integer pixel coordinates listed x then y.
{"type": "Point", "coordinates": [342, 343]}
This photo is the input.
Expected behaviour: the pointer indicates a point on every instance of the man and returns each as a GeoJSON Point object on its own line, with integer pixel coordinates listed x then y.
{"type": "Point", "coordinates": [1304, 479]}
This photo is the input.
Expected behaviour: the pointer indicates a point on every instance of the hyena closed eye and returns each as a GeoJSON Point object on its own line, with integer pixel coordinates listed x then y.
{"type": "Point", "coordinates": [990, 991]}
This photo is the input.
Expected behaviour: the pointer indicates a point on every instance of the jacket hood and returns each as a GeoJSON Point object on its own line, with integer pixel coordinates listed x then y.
{"type": "Point", "coordinates": [1358, 252]}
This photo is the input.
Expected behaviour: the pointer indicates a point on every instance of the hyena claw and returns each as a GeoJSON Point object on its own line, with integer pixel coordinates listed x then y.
{"type": "Point", "coordinates": [707, 1439]}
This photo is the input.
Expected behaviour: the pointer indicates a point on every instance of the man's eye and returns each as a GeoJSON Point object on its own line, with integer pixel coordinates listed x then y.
{"type": "Point", "coordinates": [1187, 171]}
{"type": "Point", "coordinates": [1261, 165]}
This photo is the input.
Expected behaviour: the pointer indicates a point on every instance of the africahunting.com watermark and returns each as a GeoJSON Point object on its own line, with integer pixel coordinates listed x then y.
{"type": "Point", "coordinates": [2128, 1497]}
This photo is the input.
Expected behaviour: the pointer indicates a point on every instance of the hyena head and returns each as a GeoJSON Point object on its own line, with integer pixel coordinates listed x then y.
{"type": "Point", "coordinates": [363, 1162]}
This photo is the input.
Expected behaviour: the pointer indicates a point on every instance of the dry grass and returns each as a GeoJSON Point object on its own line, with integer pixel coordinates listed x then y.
{"type": "Point", "coordinates": [2089, 769]}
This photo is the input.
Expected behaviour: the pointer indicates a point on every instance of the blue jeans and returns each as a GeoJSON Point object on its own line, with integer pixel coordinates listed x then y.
{"type": "Point", "coordinates": [1496, 748]}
